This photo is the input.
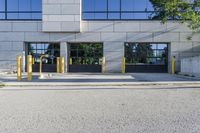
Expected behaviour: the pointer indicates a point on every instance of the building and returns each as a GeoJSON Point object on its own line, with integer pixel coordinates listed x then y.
{"type": "Point", "coordinates": [83, 31]}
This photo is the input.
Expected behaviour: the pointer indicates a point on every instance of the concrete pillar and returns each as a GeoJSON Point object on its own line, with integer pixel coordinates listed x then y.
{"type": "Point", "coordinates": [64, 53]}
{"type": "Point", "coordinates": [114, 53]}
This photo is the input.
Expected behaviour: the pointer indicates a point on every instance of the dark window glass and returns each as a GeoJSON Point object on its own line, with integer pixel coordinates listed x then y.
{"type": "Point", "coordinates": [86, 53]}
{"type": "Point", "coordinates": [146, 53]}
{"type": "Point", "coordinates": [39, 49]}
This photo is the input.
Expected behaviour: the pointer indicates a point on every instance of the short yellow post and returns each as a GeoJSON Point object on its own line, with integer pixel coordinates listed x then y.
{"type": "Point", "coordinates": [19, 68]}
{"type": "Point", "coordinates": [173, 65]}
{"type": "Point", "coordinates": [124, 65]}
{"type": "Point", "coordinates": [58, 64]}
{"type": "Point", "coordinates": [70, 61]}
{"type": "Point", "coordinates": [104, 65]}
{"type": "Point", "coordinates": [29, 67]}
{"type": "Point", "coordinates": [62, 65]}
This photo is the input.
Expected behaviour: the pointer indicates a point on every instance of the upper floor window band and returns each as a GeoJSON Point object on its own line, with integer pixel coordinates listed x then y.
{"type": "Point", "coordinates": [20, 9]}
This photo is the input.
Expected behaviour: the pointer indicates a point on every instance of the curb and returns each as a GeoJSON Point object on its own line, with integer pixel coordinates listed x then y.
{"type": "Point", "coordinates": [99, 84]}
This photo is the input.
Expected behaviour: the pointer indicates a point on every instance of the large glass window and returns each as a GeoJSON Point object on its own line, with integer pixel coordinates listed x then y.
{"type": "Point", "coordinates": [86, 53]}
{"type": "Point", "coordinates": [21, 9]}
{"type": "Point", "coordinates": [38, 49]}
{"type": "Point", "coordinates": [117, 9]}
{"type": "Point", "coordinates": [146, 53]}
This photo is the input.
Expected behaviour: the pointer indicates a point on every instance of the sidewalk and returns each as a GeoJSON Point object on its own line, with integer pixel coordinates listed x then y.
{"type": "Point", "coordinates": [88, 79]}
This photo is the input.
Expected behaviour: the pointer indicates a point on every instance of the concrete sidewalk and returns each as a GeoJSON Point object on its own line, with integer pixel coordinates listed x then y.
{"type": "Point", "coordinates": [88, 79]}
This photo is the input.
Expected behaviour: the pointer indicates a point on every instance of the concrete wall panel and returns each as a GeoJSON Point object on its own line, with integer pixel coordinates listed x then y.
{"type": "Point", "coordinates": [65, 11]}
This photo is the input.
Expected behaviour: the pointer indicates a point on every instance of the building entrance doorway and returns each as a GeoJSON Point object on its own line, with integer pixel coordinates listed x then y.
{"type": "Point", "coordinates": [146, 57]}
{"type": "Point", "coordinates": [38, 49]}
{"type": "Point", "coordinates": [85, 57]}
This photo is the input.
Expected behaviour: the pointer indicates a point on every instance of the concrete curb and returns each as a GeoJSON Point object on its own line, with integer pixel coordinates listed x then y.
{"type": "Point", "coordinates": [34, 84]}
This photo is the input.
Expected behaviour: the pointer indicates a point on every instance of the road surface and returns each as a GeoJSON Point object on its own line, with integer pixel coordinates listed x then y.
{"type": "Point", "coordinates": [100, 110]}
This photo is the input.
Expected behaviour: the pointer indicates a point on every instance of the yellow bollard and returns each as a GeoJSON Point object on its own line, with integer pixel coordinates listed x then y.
{"type": "Point", "coordinates": [29, 67]}
{"type": "Point", "coordinates": [104, 65]}
{"type": "Point", "coordinates": [58, 64]}
{"type": "Point", "coordinates": [19, 68]}
{"type": "Point", "coordinates": [62, 65]}
{"type": "Point", "coordinates": [174, 65]}
{"type": "Point", "coordinates": [124, 65]}
{"type": "Point", "coordinates": [70, 61]}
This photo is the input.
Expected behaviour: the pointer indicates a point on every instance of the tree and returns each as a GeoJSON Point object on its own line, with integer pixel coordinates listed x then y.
{"type": "Point", "coordinates": [187, 11]}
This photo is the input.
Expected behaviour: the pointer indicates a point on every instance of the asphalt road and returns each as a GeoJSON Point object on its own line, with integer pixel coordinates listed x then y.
{"type": "Point", "coordinates": [100, 110]}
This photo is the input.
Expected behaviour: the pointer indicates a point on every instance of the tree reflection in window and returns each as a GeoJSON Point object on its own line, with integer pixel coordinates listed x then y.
{"type": "Point", "coordinates": [146, 53]}
{"type": "Point", "coordinates": [86, 53]}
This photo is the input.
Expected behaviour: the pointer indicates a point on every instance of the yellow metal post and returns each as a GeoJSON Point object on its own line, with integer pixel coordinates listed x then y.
{"type": "Point", "coordinates": [19, 68]}
{"type": "Point", "coordinates": [62, 65]}
{"type": "Point", "coordinates": [124, 65]}
{"type": "Point", "coordinates": [58, 65]}
{"type": "Point", "coordinates": [70, 62]}
{"type": "Point", "coordinates": [29, 67]}
{"type": "Point", "coordinates": [104, 65]}
{"type": "Point", "coordinates": [173, 65]}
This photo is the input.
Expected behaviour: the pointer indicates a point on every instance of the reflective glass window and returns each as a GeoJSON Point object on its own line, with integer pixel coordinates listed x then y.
{"type": "Point", "coordinates": [21, 9]}
{"type": "Point", "coordinates": [39, 49]}
{"type": "Point", "coordinates": [146, 53]}
{"type": "Point", "coordinates": [2, 5]}
{"type": "Point", "coordinates": [119, 9]}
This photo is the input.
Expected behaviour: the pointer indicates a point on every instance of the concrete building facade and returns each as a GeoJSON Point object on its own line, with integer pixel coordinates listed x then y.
{"type": "Point", "coordinates": [62, 24]}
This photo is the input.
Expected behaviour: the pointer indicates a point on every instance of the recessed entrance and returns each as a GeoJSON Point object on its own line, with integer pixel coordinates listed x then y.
{"type": "Point", "coordinates": [85, 57]}
{"type": "Point", "coordinates": [146, 57]}
{"type": "Point", "coordinates": [38, 49]}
